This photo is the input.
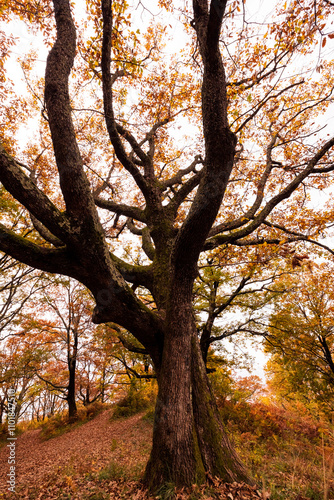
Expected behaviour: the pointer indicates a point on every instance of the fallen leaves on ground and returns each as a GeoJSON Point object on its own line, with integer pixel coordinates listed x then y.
{"type": "Point", "coordinates": [100, 460]}
{"type": "Point", "coordinates": [63, 488]}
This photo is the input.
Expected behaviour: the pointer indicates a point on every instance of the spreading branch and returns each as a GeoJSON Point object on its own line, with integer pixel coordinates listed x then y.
{"type": "Point", "coordinates": [286, 192]}
{"type": "Point", "coordinates": [108, 100]}
{"type": "Point", "coordinates": [24, 189]}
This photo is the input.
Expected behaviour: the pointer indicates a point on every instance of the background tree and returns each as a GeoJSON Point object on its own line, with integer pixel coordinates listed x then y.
{"type": "Point", "coordinates": [18, 284]}
{"type": "Point", "coordinates": [232, 294]}
{"type": "Point", "coordinates": [44, 401]}
{"type": "Point", "coordinates": [19, 358]}
{"type": "Point", "coordinates": [100, 367]}
{"type": "Point", "coordinates": [300, 339]}
{"type": "Point", "coordinates": [61, 318]}
{"type": "Point", "coordinates": [125, 167]}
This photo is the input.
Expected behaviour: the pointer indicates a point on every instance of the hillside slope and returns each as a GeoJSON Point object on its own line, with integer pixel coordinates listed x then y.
{"type": "Point", "coordinates": [98, 460]}
{"type": "Point", "coordinates": [84, 450]}
{"type": "Point", "coordinates": [103, 459]}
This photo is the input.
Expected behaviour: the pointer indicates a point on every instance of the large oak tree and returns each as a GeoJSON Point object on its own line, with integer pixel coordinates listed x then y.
{"type": "Point", "coordinates": [256, 152]}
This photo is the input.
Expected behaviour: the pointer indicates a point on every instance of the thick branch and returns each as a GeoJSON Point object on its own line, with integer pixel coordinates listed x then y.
{"type": "Point", "coordinates": [46, 259]}
{"type": "Point", "coordinates": [219, 140]}
{"type": "Point", "coordinates": [73, 181]}
{"type": "Point", "coordinates": [323, 170]}
{"type": "Point", "coordinates": [132, 228]}
{"type": "Point", "coordinates": [131, 347]}
{"type": "Point", "coordinates": [138, 275]}
{"type": "Point", "coordinates": [147, 244]}
{"type": "Point", "coordinates": [24, 190]}
{"type": "Point", "coordinates": [133, 143]}
{"type": "Point", "coordinates": [121, 209]}
{"type": "Point", "coordinates": [177, 178]}
{"type": "Point", "coordinates": [45, 233]}
{"type": "Point", "coordinates": [108, 99]}
{"type": "Point", "coordinates": [327, 353]}
{"type": "Point", "coordinates": [185, 190]}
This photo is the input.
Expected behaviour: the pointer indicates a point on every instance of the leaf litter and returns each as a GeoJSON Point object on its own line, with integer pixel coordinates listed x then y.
{"type": "Point", "coordinates": [99, 460]}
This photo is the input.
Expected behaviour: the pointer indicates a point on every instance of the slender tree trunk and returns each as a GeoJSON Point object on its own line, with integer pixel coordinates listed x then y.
{"type": "Point", "coordinates": [72, 407]}
{"type": "Point", "coordinates": [103, 383]}
{"type": "Point", "coordinates": [1, 410]}
{"type": "Point", "coordinates": [87, 399]}
{"type": "Point", "coordinates": [189, 439]}
{"type": "Point", "coordinates": [70, 398]}
{"type": "Point", "coordinates": [72, 363]}
{"type": "Point", "coordinates": [52, 405]}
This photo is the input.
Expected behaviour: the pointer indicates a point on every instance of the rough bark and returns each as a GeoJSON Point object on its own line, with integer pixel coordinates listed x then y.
{"type": "Point", "coordinates": [189, 439]}
{"type": "Point", "coordinates": [72, 406]}
{"type": "Point", "coordinates": [174, 456]}
{"type": "Point", "coordinates": [218, 455]}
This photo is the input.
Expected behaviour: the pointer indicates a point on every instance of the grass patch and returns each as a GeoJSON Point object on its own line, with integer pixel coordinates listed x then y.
{"type": "Point", "coordinates": [116, 471]}
{"type": "Point", "coordinates": [166, 492]}
{"type": "Point", "coordinates": [149, 415]}
{"type": "Point", "coordinates": [114, 445]}
{"type": "Point", "coordinates": [113, 472]}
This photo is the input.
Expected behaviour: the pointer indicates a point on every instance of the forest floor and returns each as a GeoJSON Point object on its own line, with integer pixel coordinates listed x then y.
{"type": "Point", "coordinates": [68, 466]}
{"type": "Point", "coordinates": [105, 459]}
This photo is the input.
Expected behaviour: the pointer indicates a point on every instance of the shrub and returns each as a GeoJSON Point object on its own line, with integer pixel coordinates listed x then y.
{"type": "Point", "coordinates": [149, 415]}
{"type": "Point", "coordinates": [55, 426]}
{"type": "Point", "coordinates": [91, 411]}
{"type": "Point", "coordinates": [141, 396]}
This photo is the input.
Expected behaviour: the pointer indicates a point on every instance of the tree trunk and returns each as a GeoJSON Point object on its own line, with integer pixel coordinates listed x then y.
{"type": "Point", "coordinates": [175, 457]}
{"type": "Point", "coordinates": [72, 407]}
{"type": "Point", "coordinates": [87, 398]}
{"type": "Point", "coordinates": [2, 407]}
{"type": "Point", "coordinates": [189, 439]}
{"type": "Point", "coordinates": [218, 455]}
{"type": "Point", "coordinates": [70, 398]}
{"type": "Point", "coordinates": [103, 384]}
